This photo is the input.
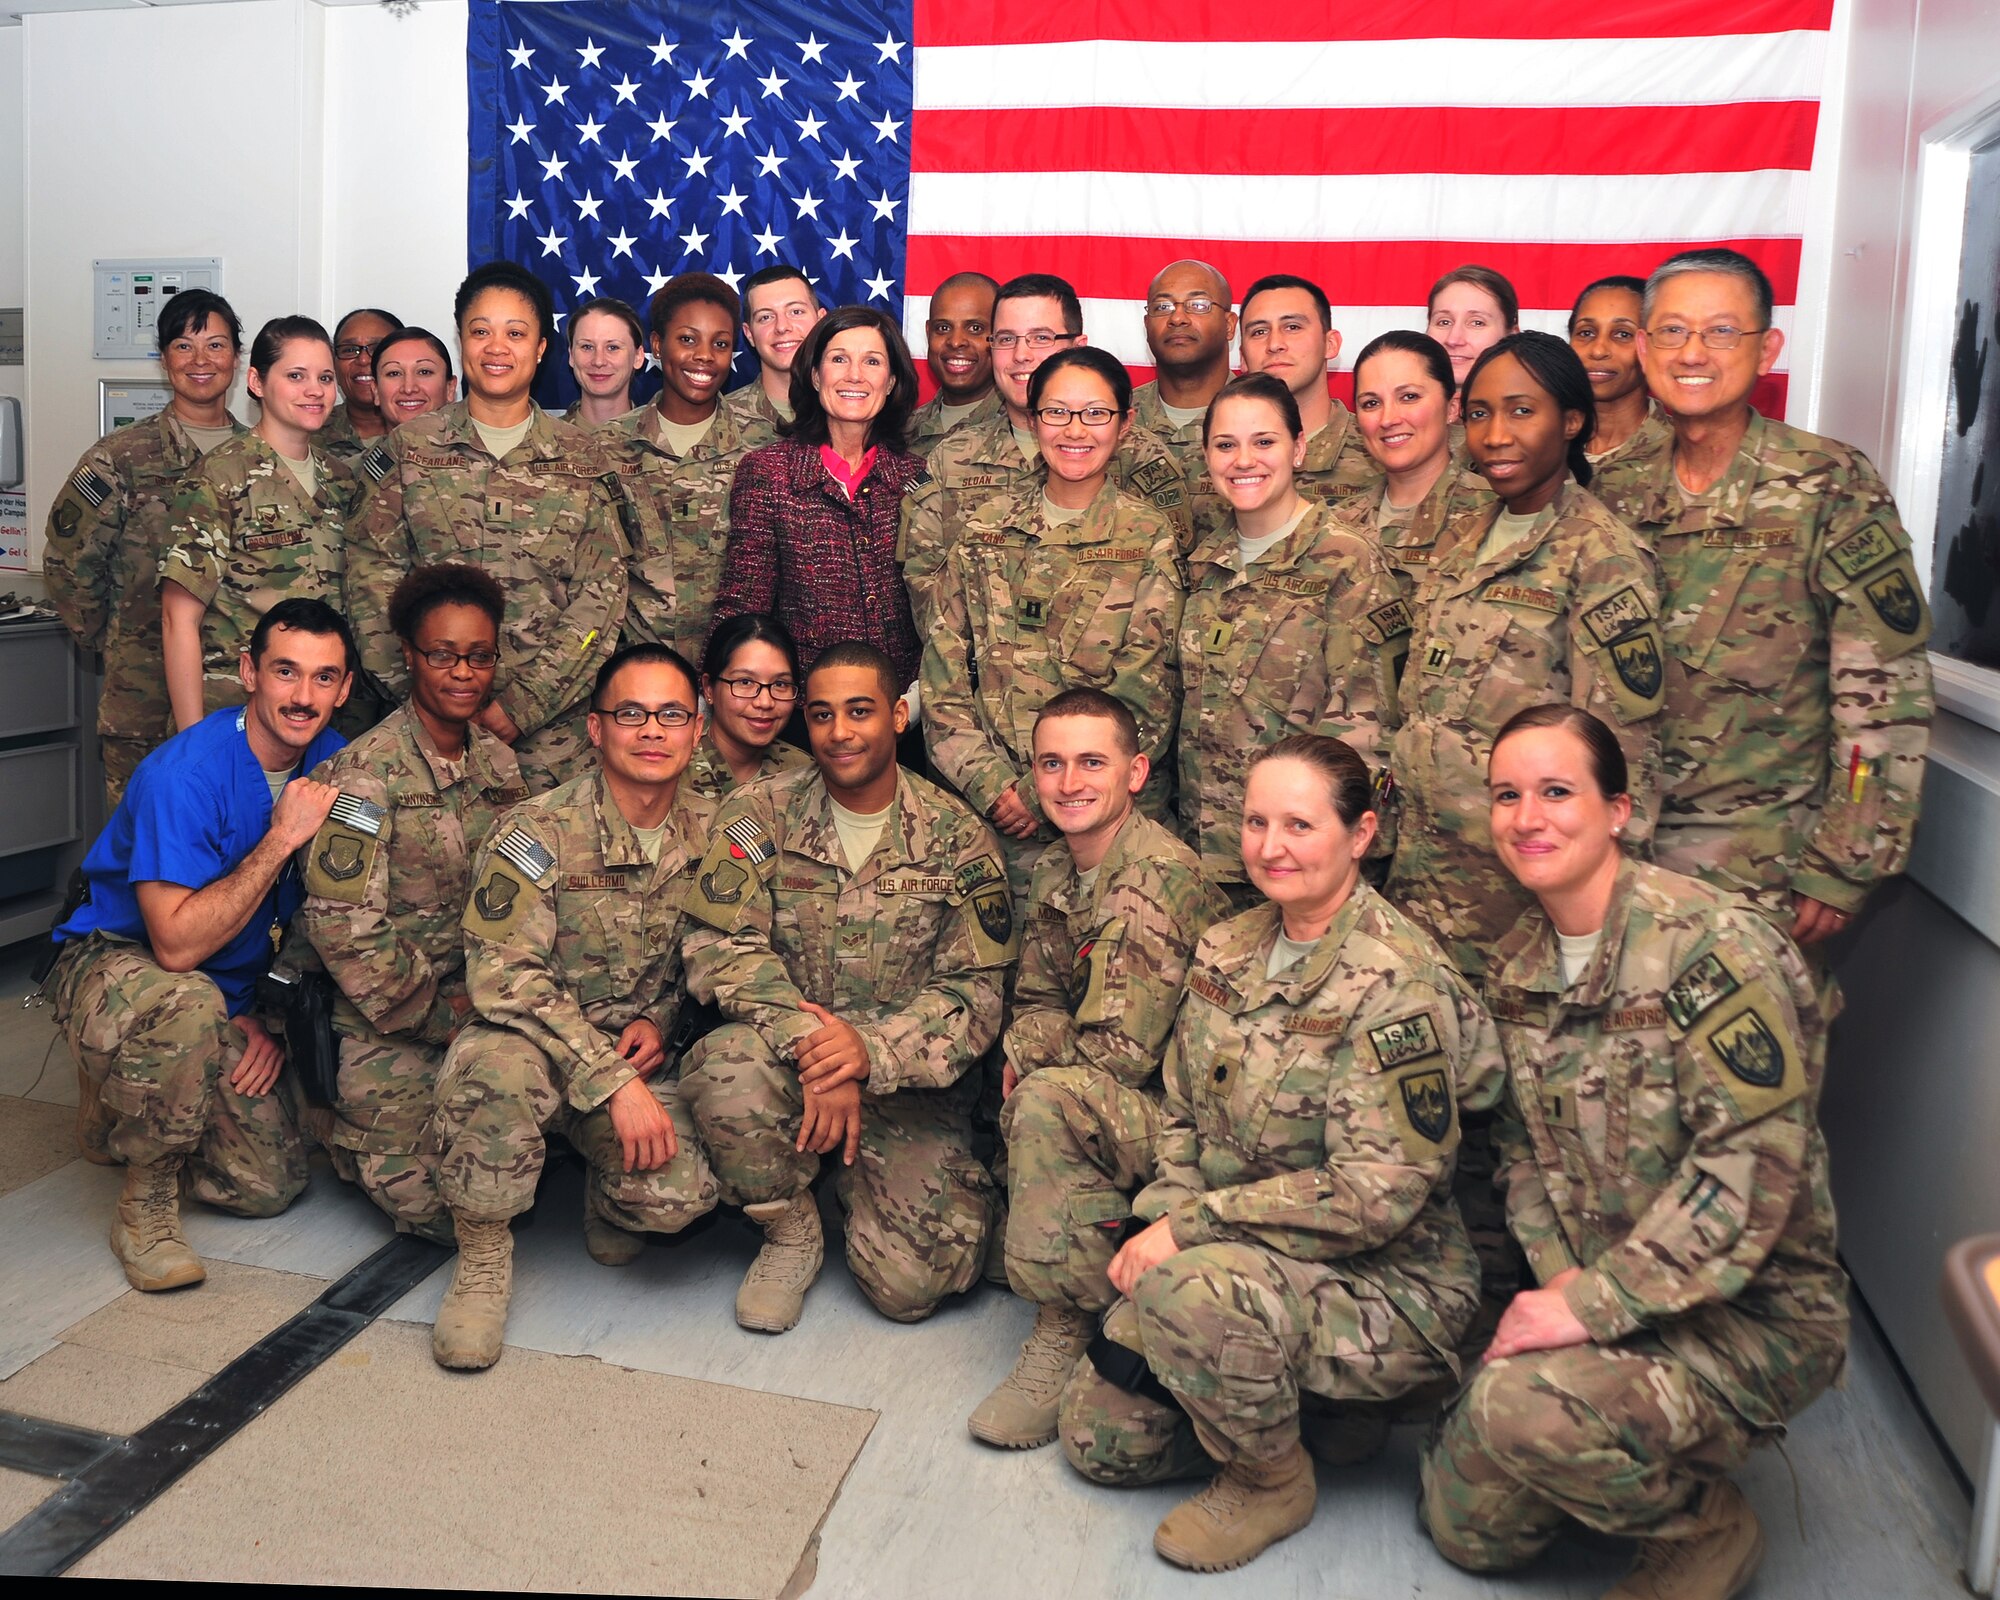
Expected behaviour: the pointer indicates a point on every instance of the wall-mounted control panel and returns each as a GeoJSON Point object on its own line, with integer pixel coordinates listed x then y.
{"type": "Point", "coordinates": [126, 297]}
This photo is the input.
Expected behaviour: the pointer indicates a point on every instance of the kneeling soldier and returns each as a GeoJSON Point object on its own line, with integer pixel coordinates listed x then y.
{"type": "Point", "coordinates": [387, 879]}
{"type": "Point", "coordinates": [856, 931]}
{"type": "Point", "coordinates": [573, 958]}
{"type": "Point", "coordinates": [159, 966]}
{"type": "Point", "coordinates": [1115, 909]}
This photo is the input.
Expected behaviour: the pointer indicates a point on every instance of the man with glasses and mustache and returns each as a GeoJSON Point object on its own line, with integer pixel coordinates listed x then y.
{"type": "Point", "coordinates": [573, 962]}
{"type": "Point", "coordinates": [1798, 690]}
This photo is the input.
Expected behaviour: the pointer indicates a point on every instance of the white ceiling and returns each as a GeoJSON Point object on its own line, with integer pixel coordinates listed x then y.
{"type": "Point", "coordinates": [12, 11]}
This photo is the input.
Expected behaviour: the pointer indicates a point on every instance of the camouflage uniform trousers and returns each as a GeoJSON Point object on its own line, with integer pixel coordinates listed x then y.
{"type": "Point", "coordinates": [160, 1047]}
{"type": "Point", "coordinates": [1241, 1337]}
{"type": "Point", "coordinates": [387, 1089]}
{"type": "Point", "coordinates": [1080, 1144]}
{"type": "Point", "coordinates": [1502, 1267]}
{"type": "Point", "coordinates": [1621, 1437]}
{"type": "Point", "coordinates": [498, 1096]}
{"type": "Point", "coordinates": [918, 1203]}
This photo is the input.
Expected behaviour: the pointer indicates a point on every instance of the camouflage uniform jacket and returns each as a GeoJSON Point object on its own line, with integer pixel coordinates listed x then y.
{"type": "Point", "coordinates": [1795, 629]}
{"type": "Point", "coordinates": [246, 535]}
{"type": "Point", "coordinates": [974, 464]}
{"type": "Point", "coordinates": [106, 535]}
{"type": "Point", "coordinates": [544, 524]}
{"type": "Point", "coordinates": [912, 950]}
{"type": "Point", "coordinates": [1026, 610]}
{"type": "Point", "coordinates": [680, 523]}
{"type": "Point", "coordinates": [1661, 1132]}
{"type": "Point", "coordinates": [1307, 640]}
{"type": "Point", "coordinates": [928, 423]}
{"type": "Point", "coordinates": [338, 437]}
{"type": "Point", "coordinates": [755, 419]}
{"type": "Point", "coordinates": [1101, 972]}
{"type": "Point", "coordinates": [1315, 1113]}
{"type": "Point", "coordinates": [1636, 458]}
{"type": "Point", "coordinates": [1182, 439]}
{"type": "Point", "coordinates": [1337, 465]}
{"type": "Point", "coordinates": [388, 874]}
{"type": "Point", "coordinates": [1568, 612]}
{"type": "Point", "coordinates": [708, 774]}
{"type": "Point", "coordinates": [571, 934]}
{"type": "Point", "coordinates": [1414, 544]}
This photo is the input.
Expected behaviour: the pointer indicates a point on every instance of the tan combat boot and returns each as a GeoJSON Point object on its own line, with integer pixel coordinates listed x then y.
{"type": "Point", "coordinates": [609, 1245]}
{"type": "Point", "coordinates": [1021, 1413]}
{"type": "Point", "coordinates": [773, 1293]}
{"type": "Point", "coordinates": [1248, 1508]}
{"type": "Point", "coordinates": [1344, 1436]}
{"type": "Point", "coordinates": [472, 1323]}
{"type": "Point", "coordinates": [1715, 1563]}
{"type": "Point", "coordinates": [146, 1229]}
{"type": "Point", "coordinates": [93, 1122]}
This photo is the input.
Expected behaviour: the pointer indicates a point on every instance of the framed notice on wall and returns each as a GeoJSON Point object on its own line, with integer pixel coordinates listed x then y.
{"type": "Point", "coordinates": [123, 400]}
{"type": "Point", "coordinates": [13, 531]}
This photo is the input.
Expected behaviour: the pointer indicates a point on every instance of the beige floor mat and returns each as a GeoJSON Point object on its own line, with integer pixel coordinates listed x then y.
{"type": "Point", "coordinates": [35, 1139]}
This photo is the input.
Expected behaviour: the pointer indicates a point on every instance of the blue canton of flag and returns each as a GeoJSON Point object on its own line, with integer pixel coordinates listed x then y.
{"type": "Point", "coordinates": [615, 145]}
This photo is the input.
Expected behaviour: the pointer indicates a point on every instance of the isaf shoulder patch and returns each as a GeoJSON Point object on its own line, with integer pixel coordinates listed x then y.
{"type": "Point", "coordinates": [1618, 616]}
{"type": "Point", "coordinates": [1699, 988]}
{"type": "Point", "coordinates": [989, 908]}
{"type": "Point", "coordinates": [1407, 1039]}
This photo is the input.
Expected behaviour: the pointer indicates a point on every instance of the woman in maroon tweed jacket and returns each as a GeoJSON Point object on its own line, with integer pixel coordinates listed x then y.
{"type": "Point", "coordinates": [812, 518]}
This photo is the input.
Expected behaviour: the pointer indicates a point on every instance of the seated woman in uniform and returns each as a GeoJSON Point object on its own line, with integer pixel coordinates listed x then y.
{"type": "Point", "coordinates": [1304, 1264]}
{"type": "Point", "coordinates": [1471, 309]}
{"type": "Point", "coordinates": [607, 350]}
{"type": "Point", "coordinates": [1540, 595]}
{"type": "Point", "coordinates": [1293, 624]}
{"type": "Point", "coordinates": [1403, 390]}
{"type": "Point", "coordinates": [750, 681]}
{"type": "Point", "coordinates": [1665, 1173]}
{"type": "Point", "coordinates": [413, 375]}
{"type": "Point", "coordinates": [259, 519]}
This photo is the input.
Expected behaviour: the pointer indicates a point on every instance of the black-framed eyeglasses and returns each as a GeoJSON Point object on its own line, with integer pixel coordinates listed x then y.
{"type": "Point", "coordinates": [1195, 305]}
{"type": "Point", "coordinates": [444, 660]}
{"type": "Point", "coordinates": [348, 350]}
{"type": "Point", "coordinates": [639, 716]}
{"type": "Point", "coordinates": [747, 688]}
{"type": "Point", "coordinates": [1673, 336]}
{"type": "Point", "coordinates": [1089, 416]}
{"type": "Point", "coordinates": [1040, 339]}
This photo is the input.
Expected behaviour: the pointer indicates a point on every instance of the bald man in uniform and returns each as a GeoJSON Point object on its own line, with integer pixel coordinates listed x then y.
{"type": "Point", "coordinates": [1188, 329]}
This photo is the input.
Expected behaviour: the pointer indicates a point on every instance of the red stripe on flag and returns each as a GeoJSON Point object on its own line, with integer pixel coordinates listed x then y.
{"type": "Point", "coordinates": [1743, 136]}
{"type": "Point", "coordinates": [1353, 272]}
{"type": "Point", "coordinates": [988, 22]}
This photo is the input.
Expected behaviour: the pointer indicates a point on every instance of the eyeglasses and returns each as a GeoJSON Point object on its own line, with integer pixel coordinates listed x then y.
{"type": "Point", "coordinates": [479, 660]}
{"type": "Point", "coordinates": [1672, 336]}
{"type": "Point", "coordinates": [639, 716]}
{"type": "Point", "coordinates": [1195, 305]}
{"type": "Point", "coordinates": [1089, 416]}
{"type": "Point", "coordinates": [750, 688]}
{"type": "Point", "coordinates": [350, 351]}
{"type": "Point", "coordinates": [1040, 339]}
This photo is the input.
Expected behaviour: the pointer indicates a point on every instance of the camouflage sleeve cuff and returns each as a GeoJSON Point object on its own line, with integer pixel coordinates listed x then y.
{"type": "Point", "coordinates": [1824, 887]}
{"type": "Point", "coordinates": [439, 1021]}
{"type": "Point", "coordinates": [1194, 1222]}
{"type": "Point", "coordinates": [1599, 1304]}
{"type": "Point", "coordinates": [197, 577]}
{"type": "Point", "coordinates": [1548, 1256]}
{"type": "Point", "coordinates": [600, 1075]}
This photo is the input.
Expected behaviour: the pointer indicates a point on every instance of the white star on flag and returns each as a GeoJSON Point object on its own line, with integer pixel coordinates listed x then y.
{"type": "Point", "coordinates": [662, 127]}
{"type": "Point", "coordinates": [878, 288]}
{"type": "Point", "coordinates": [767, 243]}
{"type": "Point", "coordinates": [890, 49]}
{"type": "Point", "coordinates": [553, 167]}
{"type": "Point", "coordinates": [621, 243]}
{"type": "Point", "coordinates": [661, 203]}
{"type": "Point", "coordinates": [807, 205]}
{"type": "Point", "coordinates": [517, 207]}
{"type": "Point", "coordinates": [842, 246]}
{"type": "Point", "coordinates": [845, 165]}
{"type": "Point", "coordinates": [698, 85]}
{"type": "Point", "coordinates": [850, 88]}
{"type": "Point", "coordinates": [624, 167]}
{"type": "Point", "coordinates": [733, 125]}
{"type": "Point", "coordinates": [588, 130]}
{"type": "Point", "coordinates": [586, 282]}
{"type": "Point", "coordinates": [663, 53]}
{"type": "Point", "coordinates": [885, 208]}
{"type": "Point", "coordinates": [732, 202]}
{"type": "Point", "coordinates": [737, 45]}
{"type": "Point", "coordinates": [886, 129]}
{"type": "Point", "coordinates": [697, 164]}
{"type": "Point", "coordinates": [626, 90]}
{"type": "Point", "coordinates": [555, 91]}
{"type": "Point", "coordinates": [768, 163]}
{"type": "Point", "coordinates": [520, 128]}
{"type": "Point", "coordinates": [552, 242]}
{"type": "Point", "coordinates": [773, 85]}
{"type": "Point", "coordinates": [521, 53]}
{"type": "Point", "coordinates": [588, 205]}
{"type": "Point", "coordinates": [694, 239]}
{"type": "Point", "coordinates": [590, 52]}
{"type": "Point", "coordinates": [810, 49]}
{"type": "Point", "coordinates": [809, 128]}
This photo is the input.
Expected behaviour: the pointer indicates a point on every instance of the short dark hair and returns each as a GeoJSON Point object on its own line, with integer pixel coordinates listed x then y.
{"type": "Point", "coordinates": [272, 338]}
{"type": "Point", "coordinates": [1257, 386]}
{"type": "Point", "coordinates": [1091, 358]}
{"type": "Point", "coordinates": [389, 317]}
{"type": "Point", "coordinates": [643, 653]}
{"type": "Point", "coordinates": [192, 308]}
{"type": "Point", "coordinates": [986, 281]}
{"type": "Point", "coordinates": [747, 627]}
{"type": "Point", "coordinates": [780, 273]}
{"type": "Point", "coordinates": [304, 616]}
{"type": "Point", "coordinates": [1617, 280]}
{"type": "Point", "coordinates": [1732, 263]}
{"type": "Point", "coordinates": [1421, 345]}
{"type": "Point", "coordinates": [1044, 286]}
{"type": "Point", "coordinates": [408, 335]}
{"type": "Point", "coordinates": [506, 275]}
{"type": "Point", "coordinates": [1485, 278]}
{"type": "Point", "coordinates": [891, 424]}
{"type": "Point", "coordinates": [858, 653]}
{"type": "Point", "coordinates": [1291, 280]}
{"type": "Point", "coordinates": [1084, 701]}
{"type": "Point", "coordinates": [1348, 783]}
{"type": "Point", "coordinates": [687, 289]}
{"type": "Point", "coordinates": [1607, 757]}
{"type": "Point", "coordinates": [611, 306]}
{"type": "Point", "coordinates": [1559, 371]}
{"type": "Point", "coordinates": [449, 583]}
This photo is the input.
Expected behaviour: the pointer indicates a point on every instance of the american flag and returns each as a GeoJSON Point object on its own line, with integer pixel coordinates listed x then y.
{"type": "Point", "coordinates": [1371, 148]}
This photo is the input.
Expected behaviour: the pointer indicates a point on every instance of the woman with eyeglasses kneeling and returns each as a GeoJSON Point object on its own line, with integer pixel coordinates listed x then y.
{"type": "Point", "coordinates": [1304, 1264]}
{"type": "Point", "coordinates": [1664, 1170]}
{"type": "Point", "coordinates": [750, 683]}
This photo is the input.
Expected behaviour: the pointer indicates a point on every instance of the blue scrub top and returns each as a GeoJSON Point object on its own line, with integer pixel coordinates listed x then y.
{"type": "Point", "coordinates": [194, 809]}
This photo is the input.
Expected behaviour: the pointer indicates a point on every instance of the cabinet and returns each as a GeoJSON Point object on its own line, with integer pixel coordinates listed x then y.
{"type": "Point", "coordinates": [41, 772]}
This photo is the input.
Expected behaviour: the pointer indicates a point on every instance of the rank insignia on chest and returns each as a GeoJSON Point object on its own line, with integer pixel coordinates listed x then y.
{"type": "Point", "coordinates": [1437, 656]}
{"type": "Point", "coordinates": [1639, 667]}
{"type": "Point", "coordinates": [1895, 600]}
{"type": "Point", "coordinates": [1031, 609]}
{"type": "Point", "coordinates": [1216, 640]}
{"type": "Point", "coordinates": [1427, 1102]}
{"type": "Point", "coordinates": [1559, 1108]}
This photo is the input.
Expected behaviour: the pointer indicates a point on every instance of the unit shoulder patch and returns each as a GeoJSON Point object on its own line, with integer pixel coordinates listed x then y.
{"type": "Point", "coordinates": [1407, 1039]}
{"type": "Point", "coordinates": [1699, 988]}
{"type": "Point", "coordinates": [1422, 1108]}
{"type": "Point", "coordinates": [1752, 1055]}
{"type": "Point", "coordinates": [1614, 618]}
